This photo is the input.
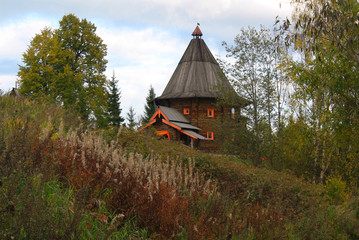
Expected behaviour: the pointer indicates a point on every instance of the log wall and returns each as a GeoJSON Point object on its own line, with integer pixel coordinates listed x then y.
{"type": "Point", "coordinates": [198, 116]}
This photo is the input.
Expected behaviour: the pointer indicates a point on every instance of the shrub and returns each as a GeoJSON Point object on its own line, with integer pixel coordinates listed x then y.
{"type": "Point", "coordinates": [36, 208]}
{"type": "Point", "coordinates": [336, 190]}
{"type": "Point", "coordinates": [60, 180]}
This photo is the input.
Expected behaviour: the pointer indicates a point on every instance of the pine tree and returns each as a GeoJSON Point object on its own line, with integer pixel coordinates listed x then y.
{"type": "Point", "coordinates": [150, 106]}
{"type": "Point", "coordinates": [113, 108]}
{"type": "Point", "coordinates": [131, 118]}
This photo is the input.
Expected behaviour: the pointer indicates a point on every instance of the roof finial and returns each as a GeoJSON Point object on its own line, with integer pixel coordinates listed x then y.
{"type": "Point", "coordinates": [197, 32]}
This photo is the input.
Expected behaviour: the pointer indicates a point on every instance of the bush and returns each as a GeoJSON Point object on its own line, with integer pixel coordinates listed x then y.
{"type": "Point", "coordinates": [61, 180]}
{"type": "Point", "coordinates": [36, 208]}
{"type": "Point", "coordinates": [336, 190]}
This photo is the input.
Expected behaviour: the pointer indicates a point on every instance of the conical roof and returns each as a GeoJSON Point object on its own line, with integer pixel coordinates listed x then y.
{"type": "Point", "coordinates": [197, 32]}
{"type": "Point", "coordinates": [197, 75]}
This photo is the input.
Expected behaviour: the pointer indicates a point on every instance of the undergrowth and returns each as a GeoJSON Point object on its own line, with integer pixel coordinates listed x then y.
{"type": "Point", "coordinates": [63, 180]}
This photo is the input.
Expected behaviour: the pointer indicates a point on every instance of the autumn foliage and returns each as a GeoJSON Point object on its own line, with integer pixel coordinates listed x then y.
{"type": "Point", "coordinates": [69, 180]}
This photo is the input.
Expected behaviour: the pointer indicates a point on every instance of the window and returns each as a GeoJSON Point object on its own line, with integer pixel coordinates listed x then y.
{"type": "Point", "coordinates": [210, 135]}
{"type": "Point", "coordinates": [186, 111]}
{"type": "Point", "coordinates": [210, 112]}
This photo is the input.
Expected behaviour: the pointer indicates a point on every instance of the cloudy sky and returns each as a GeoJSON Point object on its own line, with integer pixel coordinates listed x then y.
{"type": "Point", "coordinates": [145, 38]}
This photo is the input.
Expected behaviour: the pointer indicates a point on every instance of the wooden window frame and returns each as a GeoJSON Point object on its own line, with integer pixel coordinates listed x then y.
{"type": "Point", "coordinates": [186, 111]}
{"type": "Point", "coordinates": [210, 135]}
{"type": "Point", "coordinates": [210, 112]}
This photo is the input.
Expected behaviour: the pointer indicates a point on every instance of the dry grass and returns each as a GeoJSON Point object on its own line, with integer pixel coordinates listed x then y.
{"type": "Point", "coordinates": [102, 181]}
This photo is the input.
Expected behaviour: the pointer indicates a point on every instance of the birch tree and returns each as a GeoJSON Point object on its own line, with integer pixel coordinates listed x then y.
{"type": "Point", "coordinates": [325, 33]}
{"type": "Point", "coordinates": [251, 72]}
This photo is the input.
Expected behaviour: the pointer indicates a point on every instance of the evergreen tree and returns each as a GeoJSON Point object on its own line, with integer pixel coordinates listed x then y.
{"type": "Point", "coordinates": [150, 106]}
{"type": "Point", "coordinates": [113, 105]}
{"type": "Point", "coordinates": [131, 118]}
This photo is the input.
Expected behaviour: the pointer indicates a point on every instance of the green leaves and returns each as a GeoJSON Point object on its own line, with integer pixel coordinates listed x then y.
{"type": "Point", "coordinates": [325, 77]}
{"type": "Point", "coordinates": [130, 117]}
{"type": "Point", "coordinates": [253, 75]}
{"type": "Point", "coordinates": [38, 73]}
{"type": "Point", "coordinates": [150, 106]}
{"type": "Point", "coordinates": [67, 65]}
{"type": "Point", "coordinates": [113, 108]}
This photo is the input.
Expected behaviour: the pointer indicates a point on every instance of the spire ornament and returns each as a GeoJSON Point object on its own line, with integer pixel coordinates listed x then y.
{"type": "Point", "coordinates": [197, 32]}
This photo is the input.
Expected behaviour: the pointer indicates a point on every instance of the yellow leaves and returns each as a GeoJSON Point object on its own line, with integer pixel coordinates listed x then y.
{"type": "Point", "coordinates": [325, 133]}
{"type": "Point", "coordinates": [27, 102]}
{"type": "Point", "coordinates": [57, 62]}
{"type": "Point", "coordinates": [54, 136]}
{"type": "Point", "coordinates": [298, 44]}
{"type": "Point", "coordinates": [15, 123]}
{"type": "Point", "coordinates": [336, 190]}
{"type": "Point", "coordinates": [46, 129]}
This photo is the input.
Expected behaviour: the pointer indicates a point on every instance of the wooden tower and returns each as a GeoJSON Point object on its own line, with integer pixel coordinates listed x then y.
{"type": "Point", "coordinates": [187, 108]}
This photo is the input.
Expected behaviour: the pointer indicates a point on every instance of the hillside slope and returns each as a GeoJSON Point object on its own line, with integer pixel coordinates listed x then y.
{"type": "Point", "coordinates": [60, 179]}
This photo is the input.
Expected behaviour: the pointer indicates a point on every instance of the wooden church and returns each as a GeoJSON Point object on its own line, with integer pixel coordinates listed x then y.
{"type": "Point", "coordinates": [187, 109]}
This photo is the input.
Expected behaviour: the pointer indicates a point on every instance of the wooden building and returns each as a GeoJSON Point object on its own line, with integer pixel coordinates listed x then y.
{"type": "Point", "coordinates": [187, 108]}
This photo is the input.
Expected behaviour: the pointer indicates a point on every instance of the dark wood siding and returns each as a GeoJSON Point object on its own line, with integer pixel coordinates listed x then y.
{"type": "Point", "coordinates": [194, 85]}
{"type": "Point", "coordinates": [198, 116]}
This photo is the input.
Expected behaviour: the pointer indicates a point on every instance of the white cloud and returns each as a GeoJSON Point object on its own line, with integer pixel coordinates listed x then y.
{"type": "Point", "coordinates": [7, 82]}
{"type": "Point", "coordinates": [182, 14]}
{"type": "Point", "coordinates": [134, 83]}
{"type": "Point", "coordinates": [140, 58]}
{"type": "Point", "coordinates": [195, 9]}
{"type": "Point", "coordinates": [145, 38]}
{"type": "Point", "coordinates": [140, 47]}
{"type": "Point", "coordinates": [16, 36]}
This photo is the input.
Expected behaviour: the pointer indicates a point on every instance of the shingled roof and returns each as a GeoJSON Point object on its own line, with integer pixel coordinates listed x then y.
{"type": "Point", "coordinates": [173, 114]}
{"type": "Point", "coordinates": [197, 75]}
{"type": "Point", "coordinates": [173, 118]}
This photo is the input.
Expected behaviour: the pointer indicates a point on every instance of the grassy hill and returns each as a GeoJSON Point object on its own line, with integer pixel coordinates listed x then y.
{"type": "Point", "coordinates": [63, 180]}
